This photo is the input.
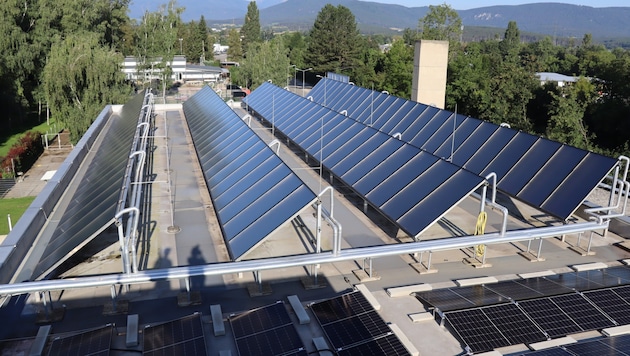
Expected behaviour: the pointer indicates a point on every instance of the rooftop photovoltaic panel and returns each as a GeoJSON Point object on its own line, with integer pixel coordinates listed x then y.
{"type": "Point", "coordinates": [448, 299]}
{"type": "Point", "coordinates": [182, 336]}
{"type": "Point", "coordinates": [356, 329]}
{"type": "Point", "coordinates": [90, 343]}
{"type": "Point", "coordinates": [544, 286]}
{"type": "Point", "coordinates": [484, 329]}
{"type": "Point", "coordinates": [256, 320]}
{"type": "Point", "coordinates": [349, 322]}
{"type": "Point", "coordinates": [388, 345]}
{"type": "Point", "coordinates": [549, 175]}
{"type": "Point", "coordinates": [252, 190]}
{"type": "Point", "coordinates": [412, 188]}
{"type": "Point", "coordinates": [551, 318]}
{"type": "Point", "coordinates": [556, 351]}
{"type": "Point", "coordinates": [587, 316]}
{"type": "Point", "coordinates": [266, 331]}
{"type": "Point", "coordinates": [578, 280]}
{"type": "Point", "coordinates": [612, 304]}
{"type": "Point", "coordinates": [477, 332]}
{"type": "Point", "coordinates": [514, 290]}
{"type": "Point", "coordinates": [597, 347]}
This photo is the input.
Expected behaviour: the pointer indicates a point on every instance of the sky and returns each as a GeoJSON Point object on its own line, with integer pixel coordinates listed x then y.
{"type": "Point", "coordinates": [471, 4]}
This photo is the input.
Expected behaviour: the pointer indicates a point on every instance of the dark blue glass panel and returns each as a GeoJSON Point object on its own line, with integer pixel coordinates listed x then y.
{"type": "Point", "coordinates": [551, 175]}
{"type": "Point", "coordinates": [403, 174]}
{"type": "Point", "coordinates": [409, 195]}
{"type": "Point", "coordinates": [578, 185]}
{"type": "Point", "coordinates": [216, 172]}
{"type": "Point", "coordinates": [510, 154]}
{"type": "Point", "coordinates": [392, 115]}
{"type": "Point", "coordinates": [312, 134]}
{"type": "Point", "coordinates": [417, 125]}
{"type": "Point", "coordinates": [334, 139]}
{"type": "Point", "coordinates": [350, 151]}
{"type": "Point", "coordinates": [272, 219]}
{"type": "Point", "coordinates": [444, 135]}
{"type": "Point", "coordinates": [481, 156]}
{"type": "Point", "coordinates": [473, 143]}
{"type": "Point", "coordinates": [359, 155]}
{"type": "Point", "coordinates": [229, 150]}
{"type": "Point", "coordinates": [528, 166]}
{"type": "Point", "coordinates": [422, 137]}
{"type": "Point", "coordinates": [612, 304]}
{"type": "Point", "coordinates": [370, 106]}
{"type": "Point", "coordinates": [383, 170]}
{"type": "Point", "coordinates": [549, 317]}
{"type": "Point", "coordinates": [465, 131]}
{"type": "Point", "coordinates": [401, 121]}
{"type": "Point", "coordinates": [362, 100]}
{"type": "Point", "coordinates": [439, 201]}
{"type": "Point", "coordinates": [296, 126]}
{"type": "Point", "coordinates": [243, 193]}
{"type": "Point", "coordinates": [216, 175]}
{"type": "Point", "coordinates": [374, 159]}
{"type": "Point", "coordinates": [387, 104]}
{"type": "Point", "coordinates": [256, 168]}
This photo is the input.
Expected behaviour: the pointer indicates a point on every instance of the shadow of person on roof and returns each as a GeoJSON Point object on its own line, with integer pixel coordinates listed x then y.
{"type": "Point", "coordinates": [196, 258]}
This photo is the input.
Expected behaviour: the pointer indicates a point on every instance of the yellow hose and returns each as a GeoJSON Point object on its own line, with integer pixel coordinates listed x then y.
{"type": "Point", "coordinates": [479, 230]}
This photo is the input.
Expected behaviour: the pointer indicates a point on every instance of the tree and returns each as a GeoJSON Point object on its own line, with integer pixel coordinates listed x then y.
{"type": "Point", "coordinates": [235, 51]}
{"type": "Point", "coordinates": [250, 32]}
{"type": "Point", "coordinates": [334, 39]}
{"type": "Point", "coordinates": [511, 42]}
{"type": "Point", "coordinates": [80, 78]}
{"type": "Point", "coordinates": [441, 23]}
{"type": "Point", "coordinates": [566, 115]}
{"type": "Point", "coordinates": [398, 69]}
{"type": "Point", "coordinates": [266, 61]}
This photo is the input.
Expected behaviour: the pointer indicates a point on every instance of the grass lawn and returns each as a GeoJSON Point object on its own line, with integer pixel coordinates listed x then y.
{"type": "Point", "coordinates": [7, 141]}
{"type": "Point", "coordinates": [14, 206]}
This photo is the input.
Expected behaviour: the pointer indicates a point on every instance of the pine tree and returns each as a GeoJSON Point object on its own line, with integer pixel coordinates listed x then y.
{"type": "Point", "coordinates": [250, 32]}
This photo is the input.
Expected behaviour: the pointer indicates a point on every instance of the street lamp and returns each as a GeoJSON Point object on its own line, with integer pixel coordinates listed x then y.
{"type": "Point", "coordinates": [290, 66]}
{"type": "Point", "coordinates": [319, 76]}
{"type": "Point", "coordinates": [303, 72]}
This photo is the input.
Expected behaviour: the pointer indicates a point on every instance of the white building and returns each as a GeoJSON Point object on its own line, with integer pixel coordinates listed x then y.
{"type": "Point", "coordinates": [181, 71]}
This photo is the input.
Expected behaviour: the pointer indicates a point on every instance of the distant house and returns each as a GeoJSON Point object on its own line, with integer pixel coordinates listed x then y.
{"type": "Point", "coordinates": [181, 71]}
{"type": "Point", "coordinates": [560, 79]}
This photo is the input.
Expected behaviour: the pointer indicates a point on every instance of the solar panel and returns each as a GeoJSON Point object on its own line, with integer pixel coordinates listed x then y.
{"type": "Point", "coordinates": [349, 322]}
{"type": "Point", "coordinates": [514, 290]}
{"type": "Point", "coordinates": [282, 340]}
{"type": "Point", "coordinates": [622, 272]}
{"type": "Point", "coordinates": [623, 292]}
{"type": "Point", "coordinates": [602, 278]}
{"type": "Point", "coordinates": [258, 319]}
{"type": "Point", "coordinates": [355, 329]}
{"type": "Point", "coordinates": [90, 343]}
{"type": "Point", "coordinates": [544, 286]}
{"type": "Point", "coordinates": [517, 327]}
{"type": "Point", "coordinates": [553, 320]}
{"type": "Point", "coordinates": [182, 336]}
{"type": "Point", "coordinates": [266, 331]}
{"type": "Point", "coordinates": [554, 177]}
{"type": "Point", "coordinates": [612, 304]}
{"type": "Point", "coordinates": [594, 348]}
{"type": "Point", "coordinates": [345, 145]}
{"type": "Point", "coordinates": [388, 345]}
{"type": "Point", "coordinates": [582, 312]}
{"type": "Point", "coordinates": [476, 330]}
{"type": "Point", "coordinates": [460, 298]}
{"type": "Point", "coordinates": [341, 307]}
{"type": "Point", "coordinates": [556, 351]}
{"type": "Point", "coordinates": [252, 190]}
{"type": "Point", "coordinates": [95, 198]}
{"type": "Point", "coordinates": [620, 343]}
{"type": "Point", "coordinates": [573, 281]}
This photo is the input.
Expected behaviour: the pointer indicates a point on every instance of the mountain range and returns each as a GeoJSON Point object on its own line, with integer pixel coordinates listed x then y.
{"type": "Point", "coordinates": [555, 19]}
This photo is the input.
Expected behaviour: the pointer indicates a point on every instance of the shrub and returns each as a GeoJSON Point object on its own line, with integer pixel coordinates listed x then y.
{"type": "Point", "coordinates": [23, 154]}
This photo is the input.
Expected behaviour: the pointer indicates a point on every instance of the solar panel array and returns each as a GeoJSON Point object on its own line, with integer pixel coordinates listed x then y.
{"type": "Point", "coordinates": [182, 336]}
{"type": "Point", "coordinates": [546, 174]}
{"type": "Point", "coordinates": [253, 191]}
{"type": "Point", "coordinates": [353, 327]}
{"type": "Point", "coordinates": [613, 346]}
{"type": "Point", "coordinates": [495, 315]}
{"type": "Point", "coordinates": [411, 187]}
{"type": "Point", "coordinates": [95, 342]}
{"type": "Point", "coordinates": [95, 198]}
{"type": "Point", "coordinates": [266, 331]}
